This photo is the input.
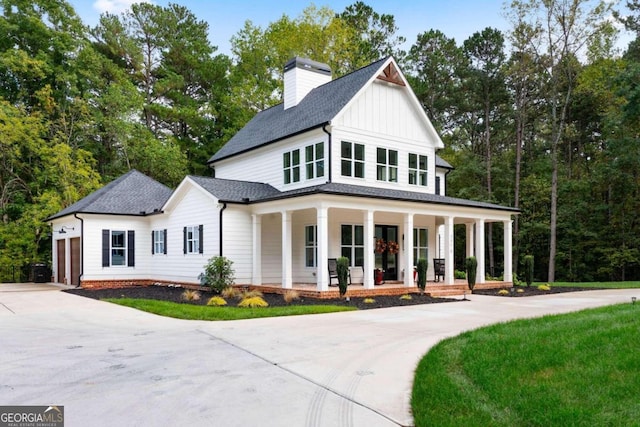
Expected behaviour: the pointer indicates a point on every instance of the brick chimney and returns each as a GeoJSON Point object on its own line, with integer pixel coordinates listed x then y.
{"type": "Point", "coordinates": [301, 76]}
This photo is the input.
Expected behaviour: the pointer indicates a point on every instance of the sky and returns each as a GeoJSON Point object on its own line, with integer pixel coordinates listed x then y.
{"type": "Point", "coordinates": [455, 18]}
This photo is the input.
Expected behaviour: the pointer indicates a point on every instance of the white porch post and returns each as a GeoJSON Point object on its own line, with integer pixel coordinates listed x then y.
{"type": "Point", "coordinates": [408, 250]}
{"type": "Point", "coordinates": [480, 250]}
{"type": "Point", "coordinates": [369, 260]}
{"type": "Point", "coordinates": [470, 243]}
{"type": "Point", "coordinates": [256, 276]}
{"type": "Point", "coordinates": [287, 280]}
{"type": "Point", "coordinates": [507, 275]}
{"type": "Point", "coordinates": [322, 271]}
{"type": "Point", "coordinates": [448, 250]}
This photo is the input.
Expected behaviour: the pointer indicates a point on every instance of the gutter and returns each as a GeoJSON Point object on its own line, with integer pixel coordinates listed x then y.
{"type": "Point", "coordinates": [224, 206]}
{"type": "Point", "coordinates": [324, 129]}
{"type": "Point", "coordinates": [81, 249]}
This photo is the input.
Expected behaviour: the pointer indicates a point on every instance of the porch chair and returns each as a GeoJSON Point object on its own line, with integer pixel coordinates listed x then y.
{"type": "Point", "coordinates": [333, 271]}
{"type": "Point", "coordinates": [438, 268]}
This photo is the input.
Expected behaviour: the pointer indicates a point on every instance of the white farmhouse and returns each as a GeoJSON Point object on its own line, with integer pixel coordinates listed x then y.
{"type": "Point", "coordinates": [344, 167]}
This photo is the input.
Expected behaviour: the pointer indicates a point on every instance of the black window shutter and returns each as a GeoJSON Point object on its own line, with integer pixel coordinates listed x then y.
{"type": "Point", "coordinates": [201, 238]}
{"type": "Point", "coordinates": [184, 240]}
{"type": "Point", "coordinates": [105, 247]}
{"type": "Point", "coordinates": [131, 248]}
{"type": "Point", "coordinates": [165, 241]}
{"type": "Point", "coordinates": [153, 246]}
{"type": "Point", "coordinates": [437, 185]}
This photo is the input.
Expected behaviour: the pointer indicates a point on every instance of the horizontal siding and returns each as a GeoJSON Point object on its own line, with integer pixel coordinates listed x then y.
{"type": "Point", "coordinates": [237, 225]}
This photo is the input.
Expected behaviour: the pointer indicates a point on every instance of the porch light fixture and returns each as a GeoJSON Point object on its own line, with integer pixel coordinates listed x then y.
{"type": "Point", "coordinates": [63, 229]}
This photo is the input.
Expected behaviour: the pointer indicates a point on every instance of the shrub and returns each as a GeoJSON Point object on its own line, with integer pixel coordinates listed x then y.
{"type": "Point", "coordinates": [460, 274]}
{"type": "Point", "coordinates": [406, 297]}
{"type": "Point", "coordinates": [230, 292]}
{"type": "Point", "coordinates": [216, 301]}
{"type": "Point", "coordinates": [503, 292]}
{"type": "Point", "coordinates": [218, 274]}
{"type": "Point", "coordinates": [544, 288]}
{"type": "Point", "coordinates": [190, 295]}
{"type": "Point", "coordinates": [528, 269]}
{"type": "Point", "coordinates": [520, 291]}
{"type": "Point", "coordinates": [291, 295]}
{"type": "Point", "coordinates": [516, 281]}
{"type": "Point", "coordinates": [368, 301]}
{"type": "Point", "coordinates": [249, 294]}
{"type": "Point", "coordinates": [253, 302]}
{"type": "Point", "coordinates": [342, 269]}
{"type": "Point", "coordinates": [471, 265]}
{"type": "Point", "coordinates": [422, 267]}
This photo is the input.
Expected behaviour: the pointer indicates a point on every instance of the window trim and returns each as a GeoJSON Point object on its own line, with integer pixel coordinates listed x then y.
{"type": "Point", "coordinates": [289, 172]}
{"type": "Point", "coordinates": [155, 241]}
{"type": "Point", "coordinates": [352, 246]}
{"type": "Point", "coordinates": [352, 160]}
{"type": "Point", "coordinates": [417, 244]}
{"type": "Point", "coordinates": [199, 240]}
{"type": "Point", "coordinates": [313, 245]}
{"type": "Point", "coordinates": [388, 169]}
{"type": "Point", "coordinates": [316, 162]}
{"type": "Point", "coordinates": [421, 175]}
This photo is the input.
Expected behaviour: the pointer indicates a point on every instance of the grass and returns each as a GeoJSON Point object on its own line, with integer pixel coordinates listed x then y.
{"type": "Point", "coordinates": [198, 312]}
{"type": "Point", "coordinates": [607, 285]}
{"type": "Point", "coordinates": [578, 369]}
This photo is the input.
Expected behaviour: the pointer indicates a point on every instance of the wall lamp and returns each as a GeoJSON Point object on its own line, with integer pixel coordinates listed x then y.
{"type": "Point", "coordinates": [63, 229]}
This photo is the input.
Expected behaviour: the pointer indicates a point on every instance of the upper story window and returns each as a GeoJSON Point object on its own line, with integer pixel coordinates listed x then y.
{"type": "Point", "coordinates": [437, 185]}
{"type": "Point", "coordinates": [387, 168]}
{"type": "Point", "coordinates": [417, 169]}
{"type": "Point", "coordinates": [352, 155]}
{"type": "Point", "coordinates": [291, 166]}
{"type": "Point", "coordinates": [314, 160]}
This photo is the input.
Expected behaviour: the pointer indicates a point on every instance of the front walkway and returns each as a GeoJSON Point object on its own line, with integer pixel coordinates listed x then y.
{"type": "Point", "coordinates": [110, 365]}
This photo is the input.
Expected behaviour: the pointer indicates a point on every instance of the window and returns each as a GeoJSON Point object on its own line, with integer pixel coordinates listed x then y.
{"type": "Point", "coordinates": [314, 160]}
{"type": "Point", "coordinates": [311, 245]}
{"type": "Point", "coordinates": [291, 165]}
{"type": "Point", "coordinates": [437, 185]}
{"type": "Point", "coordinates": [352, 155]}
{"type": "Point", "coordinates": [193, 239]}
{"type": "Point", "coordinates": [159, 242]}
{"type": "Point", "coordinates": [417, 169]}
{"type": "Point", "coordinates": [420, 244]}
{"type": "Point", "coordinates": [387, 169]}
{"type": "Point", "coordinates": [352, 244]}
{"type": "Point", "coordinates": [118, 248]}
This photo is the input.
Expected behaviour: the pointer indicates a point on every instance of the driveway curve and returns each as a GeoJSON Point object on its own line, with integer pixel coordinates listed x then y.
{"type": "Point", "coordinates": [111, 365]}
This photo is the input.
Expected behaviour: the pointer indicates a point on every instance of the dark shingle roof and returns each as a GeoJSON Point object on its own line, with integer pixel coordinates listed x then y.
{"type": "Point", "coordinates": [131, 194]}
{"type": "Point", "coordinates": [442, 163]}
{"type": "Point", "coordinates": [229, 190]}
{"type": "Point", "coordinates": [320, 106]}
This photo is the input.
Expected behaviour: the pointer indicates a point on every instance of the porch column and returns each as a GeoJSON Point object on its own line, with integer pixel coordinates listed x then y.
{"type": "Point", "coordinates": [287, 280]}
{"type": "Point", "coordinates": [507, 274]}
{"type": "Point", "coordinates": [480, 250]}
{"type": "Point", "coordinates": [408, 250]}
{"type": "Point", "coordinates": [369, 259]}
{"type": "Point", "coordinates": [470, 243]}
{"type": "Point", "coordinates": [322, 271]}
{"type": "Point", "coordinates": [448, 250]}
{"type": "Point", "coordinates": [256, 276]}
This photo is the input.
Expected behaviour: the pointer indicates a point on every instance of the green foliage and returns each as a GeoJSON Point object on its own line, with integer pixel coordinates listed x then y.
{"type": "Point", "coordinates": [218, 273]}
{"type": "Point", "coordinates": [471, 265]}
{"type": "Point", "coordinates": [544, 287]}
{"type": "Point", "coordinates": [406, 297]}
{"type": "Point", "coordinates": [422, 267]}
{"type": "Point", "coordinates": [503, 292]}
{"type": "Point", "coordinates": [369, 301]}
{"type": "Point", "coordinates": [460, 274]}
{"type": "Point", "coordinates": [528, 269]}
{"type": "Point", "coordinates": [253, 302]}
{"type": "Point", "coordinates": [342, 269]}
{"type": "Point", "coordinates": [216, 302]}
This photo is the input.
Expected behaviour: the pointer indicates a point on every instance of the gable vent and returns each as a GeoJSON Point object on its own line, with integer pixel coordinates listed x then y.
{"type": "Point", "coordinates": [301, 76]}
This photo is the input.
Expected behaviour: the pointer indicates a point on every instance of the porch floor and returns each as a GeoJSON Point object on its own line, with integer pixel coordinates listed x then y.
{"type": "Point", "coordinates": [434, 289]}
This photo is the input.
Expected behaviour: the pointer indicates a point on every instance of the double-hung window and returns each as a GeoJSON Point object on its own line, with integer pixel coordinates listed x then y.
{"type": "Point", "coordinates": [352, 156]}
{"type": "Point", "coordinates": [118, 248]}
{"type": "Point", "coordinates": [352, 244]}
{"type": "Point", "coordinates": [311, 245]}
{"type": "Point", "coordinates": [387, 165]}
{"type": "Point", "coordinates": [314, 160]}
{"type": "Point", "coordinates": [159, 242]}
{"type": "Point", "coordinates": [193, 239]}
{"type": "Point", "coordinates": [417, 169]}
{"type": "Point", "coordinates": [291, 166]}
{"type": "Point", "coordinates": [420, 244]}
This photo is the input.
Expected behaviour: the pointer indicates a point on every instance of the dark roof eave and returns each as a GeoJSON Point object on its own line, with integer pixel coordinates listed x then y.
{"type": "Point", "coordinates": [51, 218]}
{"type": "Point", "coordinates": [273, 141]}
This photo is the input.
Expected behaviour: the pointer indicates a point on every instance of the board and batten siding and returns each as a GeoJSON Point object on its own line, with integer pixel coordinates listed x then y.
{"type": "Point", "coordinates": [265, 163]}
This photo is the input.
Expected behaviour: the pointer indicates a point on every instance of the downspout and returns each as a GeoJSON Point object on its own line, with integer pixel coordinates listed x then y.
{"type": "Point", "coordinates": [81, 249]}
{"type": "Point", "coordinates": [224, 206]}
{"type": "Point", "coordinates": [324, 129]}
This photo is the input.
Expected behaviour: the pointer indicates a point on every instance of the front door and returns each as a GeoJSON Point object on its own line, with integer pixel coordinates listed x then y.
{"type": "Point", "coordinates": [387, 250]}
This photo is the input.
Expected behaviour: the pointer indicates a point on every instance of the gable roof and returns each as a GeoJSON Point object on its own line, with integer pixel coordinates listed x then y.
{"type": "Point", "coordinates": [131, 194]}
{"type": "Point", "coordinates": [319, 107]}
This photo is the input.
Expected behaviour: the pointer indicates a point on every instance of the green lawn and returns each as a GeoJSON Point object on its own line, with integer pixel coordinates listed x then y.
{"type": "Point", "coordinates": [199, 312]}
{"type": "Point", "coordinates": [608, 285]}
{"type": "Point", "coordinates": [578, 369]}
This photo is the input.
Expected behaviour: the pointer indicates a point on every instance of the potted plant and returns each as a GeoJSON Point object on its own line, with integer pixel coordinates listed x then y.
{"type": "Point", "coordinates": [422, 267]}
{"type": "Point", "coordinates": [342, 269]}
{"type": "Point", "coordinates": [378, 276]}
{"type": "Point", "coordinates": [471, 265]}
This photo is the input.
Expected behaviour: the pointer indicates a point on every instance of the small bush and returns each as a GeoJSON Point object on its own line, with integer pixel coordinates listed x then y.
{"type": "Point", "coordinates": [229, 292]}
{"type": "Point", "coordinates": [253, 302]}
{"type": "Point", "coordinates": [190, 295]}
{"type": "Point", "coordinates": [249, 294]}
{"type": "Point", "coordinates": [291, 295]}
{"type": "Point", "coordinates": [460, 274]}
{"type": "Point", "coordinates": [406, 297]}
{"type": "Point", "coordinates": [368, 301]}
{"type": "Point", "coordinates": [528, 269]}
{"type": "Point", "coordinates": [342, 270]}
{"type": "Point", "coordinates": [544, 288]}
{"type": "Point", "coordinates": [503, 292]}
{"type": "Point", "coordinates": [520, 291]}
{"type": "Point", "coordinates": [216, 302]}
{"type": "Point", "coordinates": [471, 265]}
{"type": "Point", "coordinates": [218, 273]}
{"type": "Point", "coordinates": [422, 267]}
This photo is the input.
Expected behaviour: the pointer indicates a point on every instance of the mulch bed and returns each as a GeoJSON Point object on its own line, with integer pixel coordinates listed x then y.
{"type": "Point", "coordinates": [175, 295]}
{"type": "Point", "coordinates": [531, 291]}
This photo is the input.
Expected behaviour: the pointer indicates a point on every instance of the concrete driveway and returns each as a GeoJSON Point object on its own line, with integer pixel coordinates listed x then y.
{"type": "Point", "coordinates": [110, 365]}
